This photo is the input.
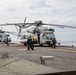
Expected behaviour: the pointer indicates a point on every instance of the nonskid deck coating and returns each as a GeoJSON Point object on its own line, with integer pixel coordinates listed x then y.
{"type": "Point", "coordinates": [64, 57]}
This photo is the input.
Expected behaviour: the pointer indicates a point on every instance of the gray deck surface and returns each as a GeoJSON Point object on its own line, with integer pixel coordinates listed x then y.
{"type": "Point", "coordinates": [64, 57]}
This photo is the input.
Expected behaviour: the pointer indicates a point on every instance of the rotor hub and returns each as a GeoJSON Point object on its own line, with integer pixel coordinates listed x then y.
{"type": "Point", "coordinates": [38, 23]}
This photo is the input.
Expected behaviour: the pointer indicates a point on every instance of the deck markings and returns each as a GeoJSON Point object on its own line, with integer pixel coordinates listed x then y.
{"type": "Point", "coordinates": [22, 49]}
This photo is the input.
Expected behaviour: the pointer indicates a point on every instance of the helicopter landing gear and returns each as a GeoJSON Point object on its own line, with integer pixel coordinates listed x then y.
{"type": "Point", "coordinates": [40, 44]}
{"type": "Point", "coordinates": [25, 44]}
{"type": "Point", "coordinates": [50, 45]}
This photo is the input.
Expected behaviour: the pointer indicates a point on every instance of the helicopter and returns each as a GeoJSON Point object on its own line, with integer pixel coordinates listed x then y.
{"type": "Point", "coordinates": [4, 35]}
{"type": "Point", "coordinates": [41, 35]}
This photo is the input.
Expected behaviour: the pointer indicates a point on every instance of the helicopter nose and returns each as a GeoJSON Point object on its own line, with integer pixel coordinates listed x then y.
{"type": "Point", "coordinates": [48, 38]}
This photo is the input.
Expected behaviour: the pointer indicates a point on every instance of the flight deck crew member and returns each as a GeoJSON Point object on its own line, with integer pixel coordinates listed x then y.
{"type": "Point", "coordinates": [29, 43]}
{"type": "Point", "coordinates": [7, 41]}
{"type": "Point", "coordinates": [32, 42]}
{"type": "Point", "coordinates": [53, 43]}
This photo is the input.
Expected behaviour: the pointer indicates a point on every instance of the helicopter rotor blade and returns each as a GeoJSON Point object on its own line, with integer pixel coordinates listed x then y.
{"type": "Point", "coordinates": [23, 25]}
{"type": "Point", "coordinates": [9, 24]}
{"type": "Point", "coordinates": [36, 23]}
{"type": "Point", "coordinates": [61, 26]}
{"type": "Point", "coordinates": [25, 20]}
{"type": "Point", "coordinates": [28, 26]}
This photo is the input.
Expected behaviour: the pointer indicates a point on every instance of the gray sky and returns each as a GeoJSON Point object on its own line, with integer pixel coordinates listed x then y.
{"type": "Point", "coordinates": [49, 11]}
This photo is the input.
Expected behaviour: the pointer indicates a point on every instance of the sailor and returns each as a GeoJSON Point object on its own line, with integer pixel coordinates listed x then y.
{"type": "Point", "coordinates": [53, 43]}
{"type": "Point", "coordinates": [7, 41]}
{"type": "Point", "coordinates": [30, 44]}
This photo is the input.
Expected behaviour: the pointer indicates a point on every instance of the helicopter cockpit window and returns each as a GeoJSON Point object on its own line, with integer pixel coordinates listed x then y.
{"type": "Point", "coordinates": [50, 35]}
{"type": "Point", "coordinates": [23, 37]}
{"type": "Point", "coordinates": [45, 29]}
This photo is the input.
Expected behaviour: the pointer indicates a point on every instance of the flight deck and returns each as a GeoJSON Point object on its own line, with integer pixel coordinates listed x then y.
{"type": "Point", "coordinates": [24, 62]}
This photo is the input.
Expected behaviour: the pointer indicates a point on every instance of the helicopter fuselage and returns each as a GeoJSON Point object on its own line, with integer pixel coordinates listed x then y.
{"type": "Point", "coordinates": [44, 37]}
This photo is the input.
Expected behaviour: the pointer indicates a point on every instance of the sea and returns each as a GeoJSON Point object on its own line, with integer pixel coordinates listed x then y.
{"type": "Point", "coordinates": [68, 42]}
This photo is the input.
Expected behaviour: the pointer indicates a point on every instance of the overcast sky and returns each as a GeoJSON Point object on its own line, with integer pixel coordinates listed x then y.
{"type": "Point", "coordinates": [48, 11]}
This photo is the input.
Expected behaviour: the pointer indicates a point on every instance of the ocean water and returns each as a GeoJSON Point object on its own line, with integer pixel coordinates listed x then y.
{"type": "Point", "coordinates": [68, 42]}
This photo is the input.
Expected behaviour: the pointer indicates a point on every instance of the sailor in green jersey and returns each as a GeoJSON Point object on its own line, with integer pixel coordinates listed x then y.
{"type": "Point", "coordinates": [29, 43]}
